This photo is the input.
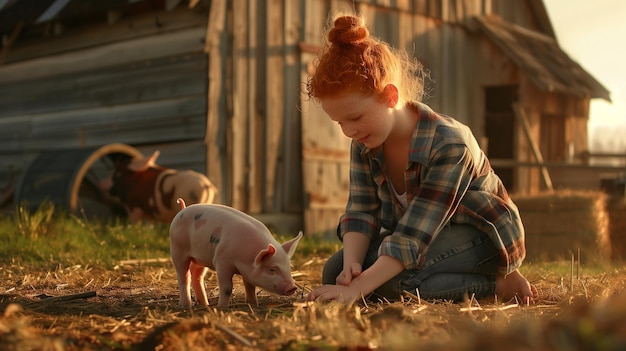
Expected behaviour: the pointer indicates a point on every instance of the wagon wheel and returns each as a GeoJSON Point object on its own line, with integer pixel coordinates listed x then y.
{"type": "Point", "coordinates": [70, 179]}
{"type": "Point", "coordinates": [86, 197]}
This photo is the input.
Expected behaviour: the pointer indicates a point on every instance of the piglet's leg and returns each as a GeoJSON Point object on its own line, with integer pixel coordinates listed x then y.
{"type": "Point", "coordinates": [225, 282]}
{"type": "Point", "coordinates": [181, 265]}
{"type": "Point", "coordinates": [197, 282]}
{"type": "Point", "coordinates": [250, 293]}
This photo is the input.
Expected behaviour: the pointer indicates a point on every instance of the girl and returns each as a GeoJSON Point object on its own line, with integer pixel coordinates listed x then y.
{"type": "Point", "coordinates": [426, 212]}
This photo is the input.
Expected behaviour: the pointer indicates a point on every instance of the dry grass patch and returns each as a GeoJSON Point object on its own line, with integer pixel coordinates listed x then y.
{"type": "Point", "coordinates": [135, 307]}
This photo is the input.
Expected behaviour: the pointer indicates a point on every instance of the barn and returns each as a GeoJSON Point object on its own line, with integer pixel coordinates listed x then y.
{"type": "Point", "coordinates": [216, 86]}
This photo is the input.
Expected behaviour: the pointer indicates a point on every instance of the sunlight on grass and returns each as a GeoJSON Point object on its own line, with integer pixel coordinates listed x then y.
{"type": "Point", "coordinates": [51, 237]}
{"type": "Point", "coordinates": [35, 224]}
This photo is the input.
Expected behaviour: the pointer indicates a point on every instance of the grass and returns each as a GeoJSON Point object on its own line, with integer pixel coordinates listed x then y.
{"type": "Point", "coordinates": [50, 236]}
{"type": "Point", "coordinates": [48, 256]}
{"type": "Point", "coordinates": [53, 237]}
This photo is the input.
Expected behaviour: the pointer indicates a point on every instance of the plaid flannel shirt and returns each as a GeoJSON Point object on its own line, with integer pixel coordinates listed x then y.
{"type": "Point", "coordinates": [448, 180]}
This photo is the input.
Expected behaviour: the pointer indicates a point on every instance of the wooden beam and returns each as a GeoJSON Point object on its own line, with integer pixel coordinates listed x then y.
{"type": "Point", "coordinates": [7, 46]}
{"type": "Point", "coordinates": [523, 120]}
{"type": "Point", "coordinates": [215, 165]}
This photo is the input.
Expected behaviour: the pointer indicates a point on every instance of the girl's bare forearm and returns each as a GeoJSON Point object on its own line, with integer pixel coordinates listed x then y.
{"type": "Point", "coordinates": [385, 268]}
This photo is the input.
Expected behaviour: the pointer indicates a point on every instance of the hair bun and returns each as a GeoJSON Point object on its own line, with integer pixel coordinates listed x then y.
{"type": "Point", "coordinates": [347, 30]}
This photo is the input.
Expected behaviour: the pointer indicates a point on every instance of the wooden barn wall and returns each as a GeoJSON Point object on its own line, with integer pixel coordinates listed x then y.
{"type": "Point", "coordinates": [145, 87]}
{"type": "Point", "coordinates": [461, 64]}
{"type": "Point", "coordinates": [575, 111]}
{"type": "Point", "coordinates": [283, 155]}
{"type": "Point", "coordinates": [224, 94]}
{"type": "Point", "coordinates": [253, 135]}
{"type": "Point", "coordinates": [436, 33]}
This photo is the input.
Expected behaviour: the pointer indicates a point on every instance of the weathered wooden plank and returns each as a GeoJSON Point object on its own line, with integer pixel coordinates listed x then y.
{"type": "Point", "coordinates": [292, 194]}
{"type": "Point", "coordinates": [291, 174]}
{"type": "Point", "coordinates": [101, 35]}
{"type": "Point", "coordinates": [255, 167]}
{"type": "Point", "coordinates": [113, 53]}
{"type": "Point", "coordinates": [169, 77]}
{"type": "Point", "coordinates": [274, 107]}
{"type": "Point", "coordinates": [237, 84]}
{"type": "Point", "coordinates": [325, 166]}
{"type": "Point", "coordinates": [186, 154]}
{"type": "Point", "coordinates": [342, 6]}
{"type": "Point", "coordinates": [176, 119]}
{"type": "Point", "coordinates": [520, 114]}
{"type": "Point", "coordinates": [326, 184]}
{"type": "Point", "coordinates": [11, 165]}
{"type": "Point", "coordinates": [315, 21]}
{"type": "Point", "coordinates": [215, 34]}
{"type": "Point", "coordinates": [459, 80]}
{"type": "Point", "coordinates": [322, 223]}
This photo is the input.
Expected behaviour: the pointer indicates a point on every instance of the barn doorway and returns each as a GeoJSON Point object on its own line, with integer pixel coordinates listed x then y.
{"type": "Point", "coordinates": [500, 129]}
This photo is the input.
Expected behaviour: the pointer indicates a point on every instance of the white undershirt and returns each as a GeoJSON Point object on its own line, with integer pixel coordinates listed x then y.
{"type": "Point", "coordinates": [401, 197]}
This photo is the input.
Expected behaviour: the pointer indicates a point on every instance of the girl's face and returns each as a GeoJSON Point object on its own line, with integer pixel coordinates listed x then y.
{"type": "Point", "coordinates": [364, 118]}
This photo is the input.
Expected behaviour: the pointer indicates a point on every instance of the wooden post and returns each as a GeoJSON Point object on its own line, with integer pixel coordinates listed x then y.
{"type": "Point", "coordinates": [214, 142]}
{"type": "Point", "coordinates": [523, 120]}
{"type": "Point", "coordinates": [4, 52]}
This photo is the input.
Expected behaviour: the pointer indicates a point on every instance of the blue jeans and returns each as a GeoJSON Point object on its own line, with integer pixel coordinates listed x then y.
{"type": "Point", "coordinates": [460, 262]}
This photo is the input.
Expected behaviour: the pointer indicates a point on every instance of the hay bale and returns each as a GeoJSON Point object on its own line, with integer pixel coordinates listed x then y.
{"type": "Point", "coordinates": [560, 223]}
{"type": "Point", "coordinates": [616, 207]}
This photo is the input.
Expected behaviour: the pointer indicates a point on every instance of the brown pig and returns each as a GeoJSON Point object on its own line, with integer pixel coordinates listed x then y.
{"type": "Point", "coordinates": [149, 191]}
{"type": "Point", "coordinates": [230, 242]}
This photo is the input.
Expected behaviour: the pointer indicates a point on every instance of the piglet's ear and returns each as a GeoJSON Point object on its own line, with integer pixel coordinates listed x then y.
{"type": "Point", "coordinates": [290, 246]}
{"type": "Point", "coordinates": [265, 254]}
{"type": "Point", "coordinates": [142, 164]}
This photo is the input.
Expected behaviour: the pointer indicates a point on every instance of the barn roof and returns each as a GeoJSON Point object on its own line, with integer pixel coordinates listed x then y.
{"type": "Point", "coordinates": [541, 59]}
{"type": "Point", "coordinates": [15, 14]}
{"type": "Point", "coordinates": [29, 12]}
{"type": "Point", "coordinates": [537, 55]}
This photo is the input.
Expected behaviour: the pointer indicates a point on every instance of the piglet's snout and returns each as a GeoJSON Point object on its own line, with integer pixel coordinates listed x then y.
{"type": "Point", "coordinates": [289, 288]}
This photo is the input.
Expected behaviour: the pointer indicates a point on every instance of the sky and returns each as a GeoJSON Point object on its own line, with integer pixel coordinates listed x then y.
{"type": "Point", "coordinates": [593, 33]}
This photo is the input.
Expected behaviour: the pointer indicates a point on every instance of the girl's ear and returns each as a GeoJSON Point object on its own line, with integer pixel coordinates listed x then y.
{"type": "Point", "coordinates": [391, 95]}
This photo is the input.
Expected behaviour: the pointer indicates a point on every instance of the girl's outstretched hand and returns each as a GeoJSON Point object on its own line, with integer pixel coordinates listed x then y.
{"type": "Point", "coordinates": [340, 293]}
{"type": "Point", "coordinates": [515, 285]}
{"type": "Point", "coordinates": [352, 283]}
{"type": "Point", "coordinates": [350, 272]}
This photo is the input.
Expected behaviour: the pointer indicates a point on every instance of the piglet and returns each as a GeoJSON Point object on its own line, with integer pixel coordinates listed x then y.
{"type": "Point", "coordinates": [230, 242]}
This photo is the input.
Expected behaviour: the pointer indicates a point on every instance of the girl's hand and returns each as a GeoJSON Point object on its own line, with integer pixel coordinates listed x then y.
{"type": "Point", "coordinates": [515, 285]}
{"type": "Point", "coordinates": [350, 272]}
{"type": "Point", "coordinates": [340, 293]}
{"type": "Point", "coordinates": [359, 283]}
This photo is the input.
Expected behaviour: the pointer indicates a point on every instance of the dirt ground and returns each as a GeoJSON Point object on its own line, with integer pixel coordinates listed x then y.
{"type": "Point", "coordinates": [134, 306]}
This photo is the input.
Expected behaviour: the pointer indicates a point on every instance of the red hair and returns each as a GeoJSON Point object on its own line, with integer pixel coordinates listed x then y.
{"type": "Point", "coordinates": [352, 60]}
